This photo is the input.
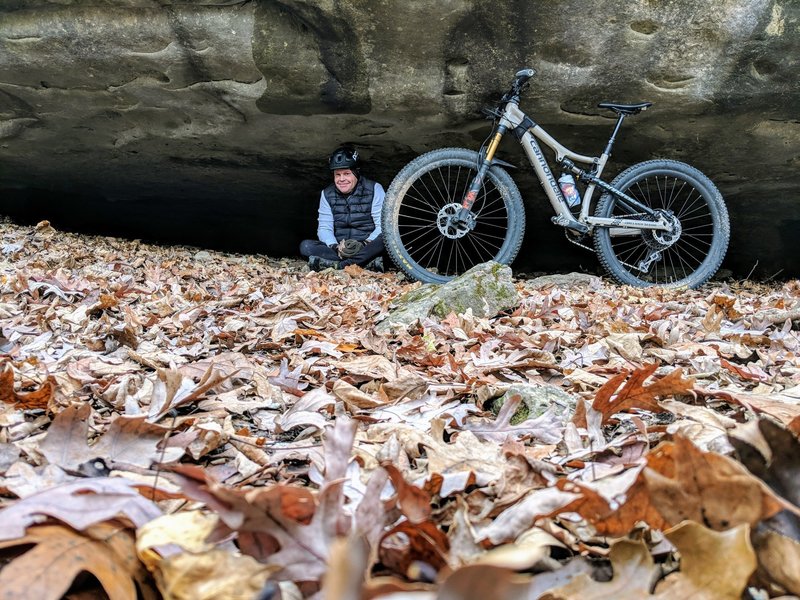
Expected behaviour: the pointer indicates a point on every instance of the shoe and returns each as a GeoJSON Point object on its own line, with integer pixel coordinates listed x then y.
{"type": "Point", "coordinates": [376, 264]}
{"type": "Point", "coordinates": [317, 263]}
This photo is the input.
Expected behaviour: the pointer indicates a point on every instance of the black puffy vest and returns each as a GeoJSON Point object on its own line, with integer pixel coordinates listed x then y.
{"type": "Point", "coordinates": [352, 214]}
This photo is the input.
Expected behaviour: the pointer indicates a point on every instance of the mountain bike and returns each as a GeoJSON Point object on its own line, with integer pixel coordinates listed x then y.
{"type": "Point", "coordinates": [659, 222]}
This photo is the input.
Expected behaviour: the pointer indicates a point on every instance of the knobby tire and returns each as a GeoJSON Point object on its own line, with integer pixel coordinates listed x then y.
{"type": "Point", "coordinates": [695, 256]}
{"type": "Point", "coordinates": [413, 207]}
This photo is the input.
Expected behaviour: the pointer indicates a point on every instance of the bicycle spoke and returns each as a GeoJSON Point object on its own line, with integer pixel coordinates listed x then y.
{"type": "Point", "coordinates": [429, 235]}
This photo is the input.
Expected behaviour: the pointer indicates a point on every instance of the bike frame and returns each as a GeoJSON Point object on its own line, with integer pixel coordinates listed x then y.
{"type": "Point", "coordinates": [529, 134]}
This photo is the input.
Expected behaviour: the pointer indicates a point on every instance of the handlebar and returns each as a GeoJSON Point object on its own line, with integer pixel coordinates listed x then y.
{"type": "Point", "coordinates": [523, 75]}
{"type": "Point", "coordinates": [520, 82]}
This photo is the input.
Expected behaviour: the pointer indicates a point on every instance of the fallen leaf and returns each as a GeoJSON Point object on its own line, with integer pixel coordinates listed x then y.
{"type": "Point", "coordinates": [615, 517]}
{"type": "Point", "coordinates": [480, 582]}
{"type": "Point", "coordinates": [518, 518]}
{"type": "Point", "coordinates": [778, 560]}
{"type": "Point", "coordinates": [172, 390]}
{"type": "Point", "coordinates": [409, 543]}
{"type": "Point", "coordinates": [127, 441]}
{"type": "Point", "coordinates": [714, 565]}
{"type": "Point", "coordinates": [57, 555]}
{"type": "Point", "coordinates": [347, 566]}
{"type": "Point", "coordinates": [354, 398]}
{"type": "Point", "coordinates": [688, 484]}
{"type": "Point", "coordinates": [635, 394]}
{"type": "Point", "coordinates": [36, 399]}
{"type": "Point", "coordinates": [414, 503]}
{"type": "Point", "coordinates": [216, 574]}
{"type": "Point", "coordinates": [634, 576]}
{"type": "Point", "coordinates": [79, 504]}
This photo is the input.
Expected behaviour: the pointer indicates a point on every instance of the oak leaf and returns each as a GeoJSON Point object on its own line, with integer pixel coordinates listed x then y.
{"type": "Point", "coordinates": [284, 525]}
{"type": "Point", "coordinates": [58, 554]}
{"type": "Point", "coordinates": [171, 390]}
{"type": "Point", "coordinates": [38, 398]}
{"type": "Point", "coordinates": [615, 518]}
{"type": "Point", "coordinates": [79, 504]}
{"type": "Point", "coordinates": [778, 559]}
{"type": "Point", "coordinates": [127, 441]}
{"type": "Point", "coordinates": [611, 399]}
{"type": "Point", "coordinates": [686, 483]}
{"type": "Point", "coordinates": [714, 565]}
{"type": "Point", "coordinates": [634, 575]}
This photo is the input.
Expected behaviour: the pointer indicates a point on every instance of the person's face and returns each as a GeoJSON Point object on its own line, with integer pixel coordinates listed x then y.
{"type": "Point", "coordinates": [345, 180]}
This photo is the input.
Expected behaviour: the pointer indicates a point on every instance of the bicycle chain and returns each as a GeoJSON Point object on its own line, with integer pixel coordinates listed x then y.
{"type": "Point", "coordinates": [585, 247]}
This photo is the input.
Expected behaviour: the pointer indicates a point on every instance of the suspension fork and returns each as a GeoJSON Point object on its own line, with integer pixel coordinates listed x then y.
{"type": "Point", "coordinates": [477, 181]}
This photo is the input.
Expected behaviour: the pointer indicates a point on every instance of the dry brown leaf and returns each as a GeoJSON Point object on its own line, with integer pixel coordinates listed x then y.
{"type": "Point", "coordinates": [127, 441]}
{"type": "Point", "coordinates": [282, 525]}
{"type": "Point", "coordinates": [480, 582]}
{"type": "Point", "coordinates": [216, 574]}
{"type": "Point", "coordinates": [374, 367]}
{"type": "Point", "coordinates": [58, 554]}
{"type": "Point", "coordinates": [354, 398]}
{"type": "Point", "coordinates": [523, 554]}
{"type": "Point", "coordinates": [409, 543]}
{"type": "Point", "coordinates": [617, 518]}
{"type": "Point", "coordinates": [172, 390]}
{"type": "Point", "coordinates": [347, 568]}
{"type": "Point", "coordinates": [518, 518]}
{"type": "Point", "coordinates": [38, 398]}
{"type": "Point", "coordinates": [778, 560]}
{"type": "Point", "coordinates": [784, 409]}
{"type": "Point", "coordinates": [688, 484]}
{"type": "Point", "coordinates": [714, 565]}
{"type": "Point", "coordinates": [65, 444]}
{"type": "Point", "coordinates": [79, 504]}
{"type": "Point", "coordinates": [546, 428]}
{"type": "Point", "coordinates": [414, 503]}
{"type": "Point", "coordinates": [634, 575]}
{"type": "Point", "coordinates": [635, 394]}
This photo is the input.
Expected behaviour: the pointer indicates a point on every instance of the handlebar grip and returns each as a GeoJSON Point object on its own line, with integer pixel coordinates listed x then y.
{"type": "Point", "coordinates": [525, 73]}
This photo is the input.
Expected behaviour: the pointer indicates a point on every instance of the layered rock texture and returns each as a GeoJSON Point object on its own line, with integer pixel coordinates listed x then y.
{"type": "Point", "coordinates": [209, 122]}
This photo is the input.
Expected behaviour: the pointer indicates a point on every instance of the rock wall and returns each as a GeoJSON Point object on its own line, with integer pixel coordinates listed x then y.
{"type": "Point", "coordinates": [208, 122]}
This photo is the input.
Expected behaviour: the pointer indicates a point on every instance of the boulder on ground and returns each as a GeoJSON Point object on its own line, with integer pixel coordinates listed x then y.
{"type": "Point", "coordinates": [486, 289]}
{"type": "Point", "coordinates": [537, 399]}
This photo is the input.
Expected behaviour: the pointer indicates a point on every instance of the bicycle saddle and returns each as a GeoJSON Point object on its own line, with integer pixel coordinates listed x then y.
{"type": "Point", "coordinates": [625, 109]}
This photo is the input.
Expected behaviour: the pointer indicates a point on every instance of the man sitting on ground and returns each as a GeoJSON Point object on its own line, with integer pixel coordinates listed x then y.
{"type": "Point", "coordinates": [349, 224]}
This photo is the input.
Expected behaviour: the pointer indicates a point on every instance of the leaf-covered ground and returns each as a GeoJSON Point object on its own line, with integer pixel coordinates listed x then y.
{"type": "Point", "coordinates": [182, 423]}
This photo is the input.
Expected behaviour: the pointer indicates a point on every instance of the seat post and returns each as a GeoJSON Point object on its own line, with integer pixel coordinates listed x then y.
{"type": "Point", "coordinates": [614, 134]}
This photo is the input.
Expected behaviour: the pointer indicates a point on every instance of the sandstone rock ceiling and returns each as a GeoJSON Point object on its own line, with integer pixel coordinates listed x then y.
{"type": "Point", "coordinates": [209, 122]}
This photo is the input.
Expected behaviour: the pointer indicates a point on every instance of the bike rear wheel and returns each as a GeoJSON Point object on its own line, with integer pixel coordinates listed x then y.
{"type": "Point", "coordinates": [418, 209]}
{"type": "Point", "coordinates": [691, 253]}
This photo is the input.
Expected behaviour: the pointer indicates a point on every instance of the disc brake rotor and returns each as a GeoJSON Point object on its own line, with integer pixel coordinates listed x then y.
{"type": "Point", "coordinates": [451, 227]}
{"type": "Point", "coordinates": [661, 240]}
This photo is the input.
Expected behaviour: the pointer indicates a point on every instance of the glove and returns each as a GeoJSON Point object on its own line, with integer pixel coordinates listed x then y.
{"type": "Point", "coordinates": [349, 248]}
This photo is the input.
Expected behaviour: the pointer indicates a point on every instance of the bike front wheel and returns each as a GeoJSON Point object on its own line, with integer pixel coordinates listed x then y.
{"type": "Point", "coordinates": [687, 255]}
{"type": "Point", "coordinates": [419, 230]}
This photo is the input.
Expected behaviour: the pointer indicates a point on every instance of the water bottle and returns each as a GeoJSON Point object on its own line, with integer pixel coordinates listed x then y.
{"type": "Point", "coordinates": [571, 194]}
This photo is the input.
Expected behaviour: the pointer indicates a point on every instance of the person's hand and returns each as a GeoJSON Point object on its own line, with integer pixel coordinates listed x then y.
{"type": "Point", "coordinates": [349, 248]}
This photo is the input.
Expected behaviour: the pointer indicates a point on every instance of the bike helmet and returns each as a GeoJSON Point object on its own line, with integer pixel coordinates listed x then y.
{"type": "Point", "coordinates": [344, 158]}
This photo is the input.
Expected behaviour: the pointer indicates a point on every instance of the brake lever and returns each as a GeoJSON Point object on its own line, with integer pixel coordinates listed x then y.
{"type": "Point", "coordinates": [491, 113]}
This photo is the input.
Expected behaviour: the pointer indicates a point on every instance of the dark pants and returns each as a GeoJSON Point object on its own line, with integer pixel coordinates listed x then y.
{"type": "Point", "coordinates": [316, 248]}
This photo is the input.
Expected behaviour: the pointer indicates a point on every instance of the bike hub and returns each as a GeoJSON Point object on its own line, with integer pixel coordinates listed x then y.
{"type": "Point", "coordinates": [660, 240]}
{"type": "Point", "coordinates": [453, 225]}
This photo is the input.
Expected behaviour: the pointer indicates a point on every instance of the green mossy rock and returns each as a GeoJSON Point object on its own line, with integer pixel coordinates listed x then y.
{"type": "Point", "coordinates": [537, 400]}
{"type": "Point", "coordinates": [486, 289]}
